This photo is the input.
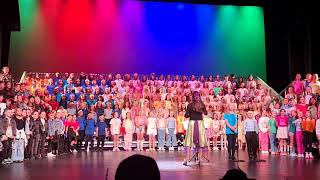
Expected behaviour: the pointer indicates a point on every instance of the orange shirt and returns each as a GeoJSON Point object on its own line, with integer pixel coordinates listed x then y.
{"type": "Point", "coordinates": [157, 104]}
{"type": "Point", "coordinates": [308, 124]}
{"type": "Point", "coordinates": [180, 127]}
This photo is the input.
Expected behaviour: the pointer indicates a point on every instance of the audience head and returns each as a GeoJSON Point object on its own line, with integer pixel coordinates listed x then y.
{"type": "Point", "coordinates": [130, 168]}
{"type": "Point", "coordinates": [235, 174]}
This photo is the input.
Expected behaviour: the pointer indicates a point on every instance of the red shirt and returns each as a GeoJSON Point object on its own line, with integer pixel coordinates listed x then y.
{"type": "Point", "coordinates": [54, 105]}
{"type": "Point", "coordinates": [302, 108]}
{"type": "Point", "coordinates": [73, 124]}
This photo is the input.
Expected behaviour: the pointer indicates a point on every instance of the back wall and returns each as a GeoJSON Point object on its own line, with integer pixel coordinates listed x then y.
{"type": "Point", "coordinates": [132, 36]}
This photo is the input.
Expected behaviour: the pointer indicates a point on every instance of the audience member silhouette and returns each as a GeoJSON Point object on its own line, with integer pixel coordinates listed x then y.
{"type": "Point", "coordinates": [138, 167]}
{"type": "Point", "coordinates": [235, 174]}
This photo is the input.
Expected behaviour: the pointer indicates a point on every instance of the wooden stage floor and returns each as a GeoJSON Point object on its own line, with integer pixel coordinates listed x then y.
{"type": "Point", "coordinates": [93, 165]}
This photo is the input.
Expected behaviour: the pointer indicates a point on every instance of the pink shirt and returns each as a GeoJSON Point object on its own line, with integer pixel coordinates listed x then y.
{"type": "Point", "coordinates": [282, 121]}
{"type": "Point", "coordinates": [302, 108]}
{"type": "Point", "coordinates": [298, 87]}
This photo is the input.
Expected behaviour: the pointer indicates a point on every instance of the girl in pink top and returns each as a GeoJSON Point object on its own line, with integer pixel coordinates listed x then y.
{"type": "Point", "coordinates": [302, 107]}
{"type": "Point", "coordinates": [298, 85]}
{"type": "Point", "coordinates": [282, 133]}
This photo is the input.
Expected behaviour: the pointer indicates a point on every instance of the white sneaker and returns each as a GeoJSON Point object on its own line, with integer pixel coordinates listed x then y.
{"type": "Point", "coordinates": [311, 156]}
{"type": "Point", "coordinates": [300, 156]}
{"type": "Point", "coordinates": [51, 155]}
{"type": "Point", "coordinates": [9, 161]}
{"type": "Point", "coordinates": [88, 150]}
{"type": "Point", "coordinates": [114, 149]}
{"type": "Point", "coordinates": [74, 151]}
{"type": "Point", "coordinates": [307, 156]}
{"type": "Point", "coordinates": [293, 154]}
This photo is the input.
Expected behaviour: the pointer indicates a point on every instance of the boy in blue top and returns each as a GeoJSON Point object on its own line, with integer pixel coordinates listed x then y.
{"type": "Point", "coordinates": [89, 131]}
{"type": "Point", "coordinates": [231, 131]}
{"type": "Point", "coordinates": [101, 131]}
{"type": "Point", "coordinates": [81, 120]}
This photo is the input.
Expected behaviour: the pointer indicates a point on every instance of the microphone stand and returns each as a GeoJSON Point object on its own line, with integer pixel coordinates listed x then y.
{"type": "Point", "coordinates": [196, 157]}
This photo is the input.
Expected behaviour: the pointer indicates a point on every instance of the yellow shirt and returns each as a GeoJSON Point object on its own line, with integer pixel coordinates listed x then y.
{"type": "Point", "coordinates": [207, 122]}
{"type": "Point", "coordinates": [157, 104]}
{"type": "Point", "coordinates": [180, 127]}
{"type": "Point", "coordinates": [168, 105]}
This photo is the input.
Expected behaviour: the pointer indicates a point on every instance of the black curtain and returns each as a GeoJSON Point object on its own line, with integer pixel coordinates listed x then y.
{"type": "Point", "coordinates": [290, 40]}
{"type": "Point", "coordinates": [9, 21]}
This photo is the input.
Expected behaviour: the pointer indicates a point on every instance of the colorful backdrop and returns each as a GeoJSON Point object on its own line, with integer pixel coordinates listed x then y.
{"type": "Point", "coordinates": [131, 36]}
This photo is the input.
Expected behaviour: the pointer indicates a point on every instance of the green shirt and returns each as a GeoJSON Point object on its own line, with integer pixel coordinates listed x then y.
{"type": "Point", "coordinates": [272, 126]}
{"type": "Point", "coordinates": [292, 127]}
{"type": "Point", "coordinates": [217, 90]}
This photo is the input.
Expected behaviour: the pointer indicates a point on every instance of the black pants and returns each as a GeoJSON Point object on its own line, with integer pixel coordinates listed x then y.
{"type": "Point", "coordinates": [307, 141]}
{"type": "Point", "coordinates": [35, 144]}
{"type": "Point", "coordinates": [252, 144]}
{"type": "Point", "coordinates": [28, 151]}
{"type": "Point", "coordinates": [58, 147]}
{"type": "Point", "coordinates": [231, 138]}
{"type": "Point", "coordinates": [100, 140]}
{"type": "Point", "coordinates": [41, 150]}
{"type": "Point", "coordinates": [7, 148]}
{"type": "Point", "coordinates": [80, 139]}
{"type": "Point", "coordinates": [89, 138]}
{"type": "Point", "coordinates": [180, 138]}
{"type": "Point", "coordinates": [50, 145]}
{"type": "Point", "coordinates": [71, 136]}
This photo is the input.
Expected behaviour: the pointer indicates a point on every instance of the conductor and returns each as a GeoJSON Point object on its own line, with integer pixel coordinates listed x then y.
{"type": "Point", "coordinates": [195, 135]}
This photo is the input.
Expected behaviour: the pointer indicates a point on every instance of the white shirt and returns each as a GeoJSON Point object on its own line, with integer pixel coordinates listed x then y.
{"type": "Point", "coordinates": [3, 106]}
{"type": "Point", "coordinates": [9, 132]}
{"type": "Point", "coordinates": [318, 127]}
{"type": "Point", "coordinates": [216, 125]}
{"type": "Point", "coordinates": [307, 98]}
{"type": "Point", "coordinates": [152, 123]}
{"type": "Point", "coordinates": [207, 122]}
{"type": "Point", "coordinates": [192, 84]}
{"type": "Point", "coordinates": [118, 82]}
{"type": "Point", "coordinates": [263, 124]}
{"type": "Point", "coordinates": [115, 128]}
{"type": "Point", "coordinates": [228, 97]}
{"type": "Point", "coordinates": [124, 113]}
{"type": "Point", "coordinates": [128, 125]}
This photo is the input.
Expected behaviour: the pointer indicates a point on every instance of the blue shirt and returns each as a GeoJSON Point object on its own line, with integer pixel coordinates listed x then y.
{"type": "Point", "coordinates": [81, 121]}
{"type": "Point", "coordinates": [101, 128]}
{"type": "Point", "coordinates": [89, 124]}
{"type": "Point", "coordinates": [50, 89]}
{"type": "Point", "coordinates": [232, 120]}
{"type": "Point", "coordinates": [171, 123]}
{"type": "Point", "coordinates": [250, 125]}
{"type": "Point", "coordinates": [91, 102]}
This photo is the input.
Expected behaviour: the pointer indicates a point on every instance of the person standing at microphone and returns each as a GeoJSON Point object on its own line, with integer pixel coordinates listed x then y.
{"type": "Point", "coordinates": [231, 130]}
{"type": "Point", "coordinates": [195, 135]}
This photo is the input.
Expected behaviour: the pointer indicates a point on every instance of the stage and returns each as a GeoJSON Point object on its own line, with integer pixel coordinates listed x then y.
{"type": "Point", "coordinates": [94, 165]}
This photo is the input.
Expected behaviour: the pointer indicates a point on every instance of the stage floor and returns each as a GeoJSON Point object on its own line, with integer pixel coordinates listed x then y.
{"type": "Point", "coordinates": [93, 165]}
